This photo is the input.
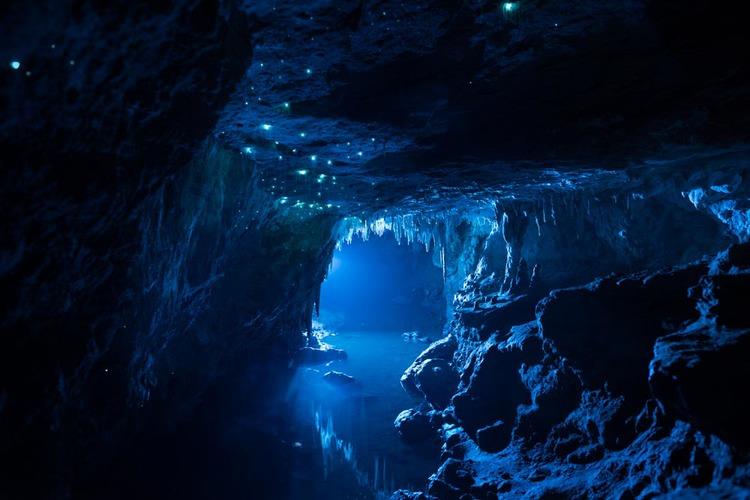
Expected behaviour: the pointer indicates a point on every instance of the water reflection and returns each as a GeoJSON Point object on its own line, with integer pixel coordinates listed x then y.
{"type": "Point", "coordinates": [332, 446]}
{"type": "Point", "coordinates": [353, 426]}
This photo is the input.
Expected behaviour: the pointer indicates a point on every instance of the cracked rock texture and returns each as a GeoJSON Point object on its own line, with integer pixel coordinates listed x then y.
{"type": "Point", "coordinates": [643, 395]}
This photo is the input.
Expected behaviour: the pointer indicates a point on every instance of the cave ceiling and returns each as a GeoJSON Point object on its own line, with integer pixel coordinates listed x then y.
{"type": "Point", "coordinates": [371, 105]}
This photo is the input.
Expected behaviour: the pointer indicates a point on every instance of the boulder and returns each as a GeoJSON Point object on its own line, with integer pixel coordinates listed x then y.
{"type": "Point", "coordinates": [415, 426]}
{"type": "Point", "coordinates": [701, 376]}
{"type": "Point", "coordinates": [494, 389]}
{"type": "Point", "coordinates": [599, 419]}
{"type": "Point", "coordinates": [436, 379]}
{"type": "Point", "coordinates": [307, 356]}
{"type": "Point", "coordinates": [339, 379]}
{"type": "Point", "coordinates": [555, 392]}
{"type": "Point", "coordinates": [494, 437]}
{"type": "Point", "coordinates": [607, 329]}
{"type": "Point", "coordinates": [724, 291]}
{"type": "Point", "coordinates": [499, 315]}
{"type": "Point", "coordinates": [456, 443]}
{"type": "Point", "coordinates": [457, 473]}
{"type": "Point", "coordinates": [442, 349]}
{"type": "Point", "coordinates": [442, 490]}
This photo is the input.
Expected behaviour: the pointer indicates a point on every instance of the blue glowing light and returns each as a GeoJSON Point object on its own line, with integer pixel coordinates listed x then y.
{"type": "Point", "coordinates": [266, 126]}
{"type": "Point", "coordinates": [286, 105]}
{"type": "Point", "coordinates": [313, 157]}
{"type": "Point", "coordinates": [308, 71]}
{"type": "Point", "coordinates": [15, 64]}
{"type": "Point", "coordinates": [302, 134]}
{"type": "Point", "coordinates": [248, 150]}
{"type": "Point", "coordinates": [509, 7]}
{"type": "Point", "coordinates": [359, 153]}
{"type": "Point", "coordinates": [329, 162]}
{"type": "Point", "coordinates": [302, 172]}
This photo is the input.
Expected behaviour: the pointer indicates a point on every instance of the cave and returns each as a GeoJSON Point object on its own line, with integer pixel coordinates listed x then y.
{"type": "Point", "coordinates": [364, 250]}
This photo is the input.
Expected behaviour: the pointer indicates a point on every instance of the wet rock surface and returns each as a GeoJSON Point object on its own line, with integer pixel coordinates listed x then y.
{"type": "Point", "coordinates": [339, 379]}
{"type": "Point", "coordinates": [318, 355]}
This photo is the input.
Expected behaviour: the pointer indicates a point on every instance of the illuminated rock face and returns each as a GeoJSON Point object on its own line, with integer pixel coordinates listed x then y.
{"type": "Point", "coordinates": [628, 386]}
{"type": "Point", "coordinates": [175, 176]}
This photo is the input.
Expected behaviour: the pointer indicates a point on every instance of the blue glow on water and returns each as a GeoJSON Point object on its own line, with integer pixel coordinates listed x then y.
{"type": "Point", "coordinates": [353, 427]}
{"type": "Point", "coordinates": [375, 290]}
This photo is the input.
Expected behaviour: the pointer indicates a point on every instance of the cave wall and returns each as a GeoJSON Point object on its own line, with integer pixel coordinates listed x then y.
{"type": "Point", "coordinates": [629, 386]}
{"type": "Point", "coordinates": [565, 238]}
{"type": "Point", "coordinates": [595, 348]}
{"type": "Point", "coordinates": [219, 277]}
{"type": "Point", "coordinates": [572, 237]}
{"type": "Point", "coordinates": [141, 261]}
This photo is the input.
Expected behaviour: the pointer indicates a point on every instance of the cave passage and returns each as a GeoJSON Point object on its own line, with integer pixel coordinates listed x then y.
{"type": "Point", "coordinates": [357, 250]}
{"type": "Point", "coordinates": [382, 304]}
{"type": "Point", "coordinates": [379, 284]}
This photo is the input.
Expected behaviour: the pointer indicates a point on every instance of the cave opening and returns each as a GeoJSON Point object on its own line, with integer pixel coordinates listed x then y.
{"type": "Point", "coordinates": [381, 305]}
{"type": "Point", "coordinates": [379, 283]}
